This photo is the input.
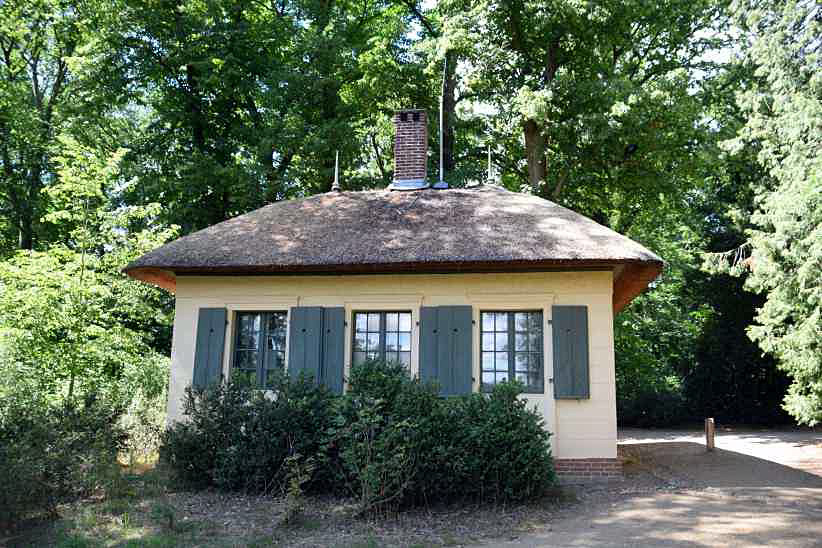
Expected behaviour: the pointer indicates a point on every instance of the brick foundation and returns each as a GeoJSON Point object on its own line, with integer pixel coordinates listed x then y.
{"type": "Point", "coordinates": [588, 470]}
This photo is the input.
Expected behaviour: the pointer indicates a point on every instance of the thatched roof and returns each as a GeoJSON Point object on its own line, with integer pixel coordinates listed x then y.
{"type": "Point", "coordinates": [481, 229]}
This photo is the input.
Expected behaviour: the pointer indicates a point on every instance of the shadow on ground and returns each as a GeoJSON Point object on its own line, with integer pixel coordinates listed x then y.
{"type": "Point", "coordinates": [718, 468]}
{"type": "Point", "coordinates": [698, 498]}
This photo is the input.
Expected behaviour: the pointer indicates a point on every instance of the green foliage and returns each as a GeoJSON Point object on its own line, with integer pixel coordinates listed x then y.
{"type": "Point", "coordinates": [783, 107]}
{"type": "Point", "coordinates": [49, 453]}
{"type": "Point", "coordinates": [390, 441]}
{"type": "Point", "coordinates": [239, 438]}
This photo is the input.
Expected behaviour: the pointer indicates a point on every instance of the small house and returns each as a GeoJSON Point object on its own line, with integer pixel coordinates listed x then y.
{"type": "Point", "coordinates": [467, 287]}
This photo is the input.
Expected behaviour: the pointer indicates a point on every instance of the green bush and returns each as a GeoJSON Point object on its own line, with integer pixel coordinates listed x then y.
{"type": "Point", "coordinates": [400, 443]}
{"type": "Point", "coordinates": [390, 441]}
{"type": "Point", "coordinates": [50, 453]}
{"type": "Point", "coordinates": [654, 407]}
{"type": "Point", "coordinates": [238, 438]}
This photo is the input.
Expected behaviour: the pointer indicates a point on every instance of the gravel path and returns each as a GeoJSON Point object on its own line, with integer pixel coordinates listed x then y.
{"type": "Point", "coordinates": [758, 488]}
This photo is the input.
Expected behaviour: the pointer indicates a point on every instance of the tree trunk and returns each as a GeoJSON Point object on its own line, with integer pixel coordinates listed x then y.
{"type": "Point", "coordinates": [449, 106]}
{"type": "Point", "coordinates": [25, 238]}
{"type": "Point", "coordinates": [535, 153]}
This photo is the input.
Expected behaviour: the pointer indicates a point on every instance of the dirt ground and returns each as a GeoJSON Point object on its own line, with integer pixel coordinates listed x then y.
{"type": "Point", "coordinates": [758, 488]}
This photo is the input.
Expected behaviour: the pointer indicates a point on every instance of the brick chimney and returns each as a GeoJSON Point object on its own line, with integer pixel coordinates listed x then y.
{"type": "Point", "coordinates": [410, 149]}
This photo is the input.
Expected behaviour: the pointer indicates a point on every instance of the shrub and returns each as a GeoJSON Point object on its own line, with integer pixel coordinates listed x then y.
{"type": "Point", "coordinates": [50, 453]}
{"type": "Point", "coordinates": [501, 448]}
{"type": "Point", "coordinates": [238, 438]}
{"type": "Point", "coordinates": [386, 432]}
{"type": "Point", "coordinates": [652, 407]}
{"type": "Point", "coordinates": [390, 441]}
{"type": "Point", "coordinates": [402, 444]}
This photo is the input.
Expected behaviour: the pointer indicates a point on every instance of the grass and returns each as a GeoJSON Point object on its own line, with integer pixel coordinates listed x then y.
{"type": "Point", "coordinates": [142, 510]}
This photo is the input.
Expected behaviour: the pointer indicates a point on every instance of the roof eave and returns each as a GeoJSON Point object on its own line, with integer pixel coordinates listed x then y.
{"type": "Point", "coordinates": [632, 280]}
{"type": "Point", "coordinates": [163, 278]}
{"type": "Point", "coordinates": [631, 276]}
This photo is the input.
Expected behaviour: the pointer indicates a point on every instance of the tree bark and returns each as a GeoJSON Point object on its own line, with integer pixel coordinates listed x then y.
{"type": "Point", "coordinates": [535, 154]}
{"type": "Point", "coordinates": [449, 106]}
{"type": "Point", "coordinates": [535, 136]}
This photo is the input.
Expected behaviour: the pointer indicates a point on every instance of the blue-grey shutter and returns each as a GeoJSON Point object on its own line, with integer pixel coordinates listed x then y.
{"type": "Point", "coordinates": [305, 341]}
{"type": "Point", "coordinates": [445, 348]}
{"type": "Point", "coordinates": [333, 353]}
{"type": "Point", "coordinates": [429, 371]}
{"type": "Point", "coordinates": [570, 341]}
{"type": "Point", "coordinates": [208, 351]}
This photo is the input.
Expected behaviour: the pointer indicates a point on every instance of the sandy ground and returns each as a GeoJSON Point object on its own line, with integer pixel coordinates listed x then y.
{"type": "Point", "coordinates": [758, 488]}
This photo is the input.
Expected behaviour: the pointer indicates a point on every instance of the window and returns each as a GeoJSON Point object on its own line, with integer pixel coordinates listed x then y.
{"type": "Point", "coordinates": [382, 336]}
{"type": "Point", "coordinates": [259, 347]}
{"type": "Point", "coordinates": [511, 348]}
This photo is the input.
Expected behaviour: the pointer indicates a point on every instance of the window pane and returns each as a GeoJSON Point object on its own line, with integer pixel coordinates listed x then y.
{"type": "Point", "coordinates": [246, 359]}
{"type": "Point", "coordinates": [373, 341]}
{"type": "Point", "coordinates": [501, 361]}
{"type": "Point", "coordinates": [521, 361]}
{"type": "Point", "coordinates": [521, 341]}
{"type": "Point", "coordinates": [502, 377]}
{"type": "Point", "coordinates": [276, 331]}
{"type": "Point", "coordinates": [405, 358]}
{"type": "Point", "coordinates": [487, 361]}
{"type": "Point", "coordinates": [405, 321]}
{"type": "Point", "coordinates": [359, 342]}
{"type": "Point", "coordinates": [487, 341]}
{"type": "Point", "coordinates": [392, 321]}
{"type": "Point", "coordinates": [535, 321]}
{"type": "Point", "coordinates": [405, 342]}
{"type": "Point", "coordinates": [502, 321]}
{"type": "Point", "coordinates": [373, 322]}
{"type": "Point", "coordinates": [248, 331]}
{"type": "Point", "coordinates": [522, 377]}
{"type": "Point", "coordinates": [488, 378]}
{"type": "Point", "coordinates": [277, 321]}
{"type": "Point", "coordinates": [501, 342]}
{"type": "Point", "coordinates": [521, 321]}
{"type": "Point", "coordinates": [487, 321]}
{"type": "Point", "coordinates": [359, 357]}
{"type": "Point", "coordinates": [361, 321]}
{"type": "Point", "coordinates": [535, 344]}
{"type": "Point", "coordinates": [391, 342]}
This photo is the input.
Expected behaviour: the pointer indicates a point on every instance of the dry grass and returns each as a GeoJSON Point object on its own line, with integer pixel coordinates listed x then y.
{"type": "Point", "coordinates": [145, 512]}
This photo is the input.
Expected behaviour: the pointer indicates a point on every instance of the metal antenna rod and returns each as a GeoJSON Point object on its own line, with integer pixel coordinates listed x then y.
{"type": "Point", "coordinates": [442, 123]}
{"type": "Point", "coordinates": [336, 185]}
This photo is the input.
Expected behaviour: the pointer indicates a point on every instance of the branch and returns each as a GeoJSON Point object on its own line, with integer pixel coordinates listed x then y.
{"type": "Point", "coordinates": [378, 155]}
{"type": "Point", "coordinates": [415, 11]}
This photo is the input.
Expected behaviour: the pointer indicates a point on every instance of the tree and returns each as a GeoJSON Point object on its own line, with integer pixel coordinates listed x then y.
{"type": "Point", "coordinates": [239, 104]}
{"type": "Point", "coordinates": [598, 98]}
{"type": "Point", "coordinates": [36, 40]}
{"type": "Point", "coordinates": [70, 322]}
{"type": "Point", "coordinates": [783, 105]}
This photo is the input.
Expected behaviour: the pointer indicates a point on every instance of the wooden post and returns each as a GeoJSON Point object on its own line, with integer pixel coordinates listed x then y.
{"type": "Point", "coordinates": [709, 434]}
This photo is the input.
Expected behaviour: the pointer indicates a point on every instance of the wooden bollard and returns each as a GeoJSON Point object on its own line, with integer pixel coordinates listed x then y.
{"type": "Point", "coordinates": [709, 434]}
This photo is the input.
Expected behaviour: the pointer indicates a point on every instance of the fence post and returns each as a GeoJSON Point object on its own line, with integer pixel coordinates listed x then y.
{"type": "Point", "coordinates": [709, 434]}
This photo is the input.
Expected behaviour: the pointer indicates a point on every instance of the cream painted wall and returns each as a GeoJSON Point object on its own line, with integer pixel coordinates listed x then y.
{"type": "Point", "coordinates": [582, 428]}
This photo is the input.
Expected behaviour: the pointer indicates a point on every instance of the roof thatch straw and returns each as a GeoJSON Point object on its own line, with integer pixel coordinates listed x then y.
{"type": "Point", "coordinates": [483, 229]}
